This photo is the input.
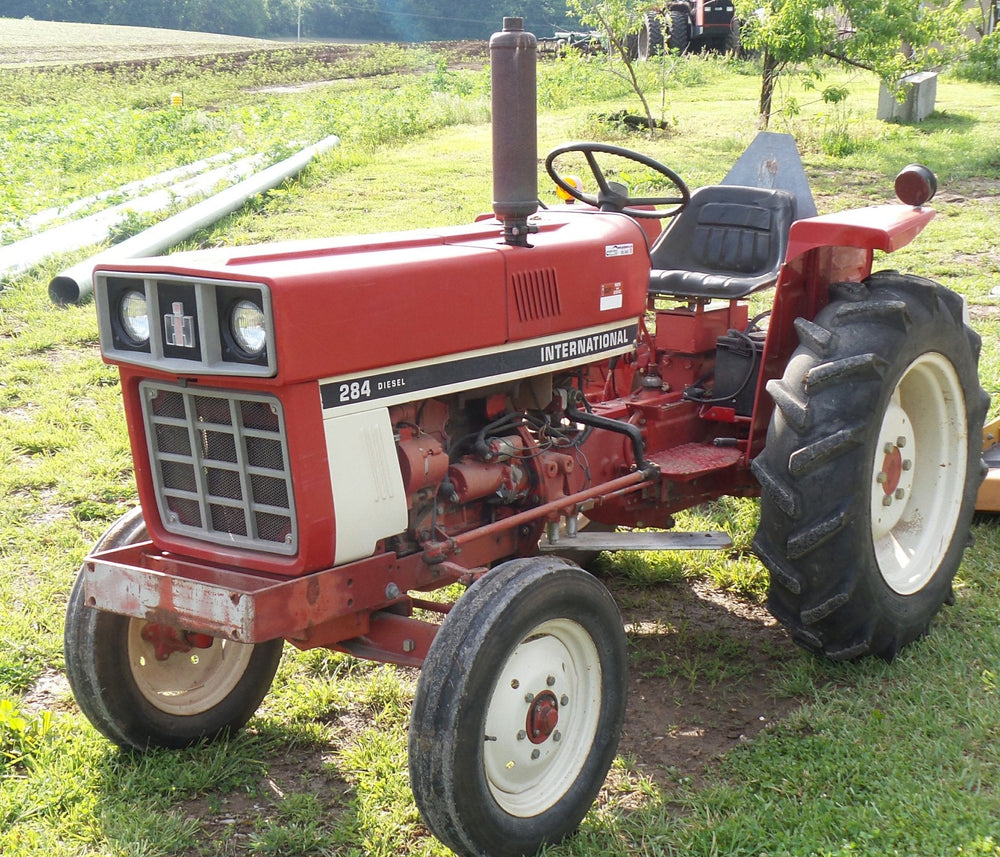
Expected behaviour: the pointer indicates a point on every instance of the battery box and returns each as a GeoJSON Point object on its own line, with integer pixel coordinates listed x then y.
{"type": "Point", "coordinates": [737, 367]}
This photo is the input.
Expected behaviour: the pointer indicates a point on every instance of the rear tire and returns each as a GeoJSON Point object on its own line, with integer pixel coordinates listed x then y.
{"type": "Point", "coordinates": [871, 467]}
{"type": "Point", "coordinates": [650, 42]}
{"type": "Point", "coordinates": [680, 31]}
{"type": "Point", "coordinates": [139, 701]}
{"type": "Point", "coordinates": [518, 709]}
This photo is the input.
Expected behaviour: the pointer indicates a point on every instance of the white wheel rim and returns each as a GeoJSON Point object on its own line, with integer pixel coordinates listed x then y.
{"type": "Point", "coordinates": [557, 659]}
{"type": "Point", "coordinates": [186, 683]}
{"type": "Point", "coordinates": [918, 476]}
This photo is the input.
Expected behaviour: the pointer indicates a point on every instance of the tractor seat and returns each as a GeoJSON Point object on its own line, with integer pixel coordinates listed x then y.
{"type": "Point", "coordinates": [728, 241]}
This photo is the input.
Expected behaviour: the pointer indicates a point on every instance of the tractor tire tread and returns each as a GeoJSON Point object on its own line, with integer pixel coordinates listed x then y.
{"type": "Point", "coordinates": [819, 340]}
{"type": "Point", "coordinates": [857, 367]}
{"type": "Point", "coordinates": [819, 452]}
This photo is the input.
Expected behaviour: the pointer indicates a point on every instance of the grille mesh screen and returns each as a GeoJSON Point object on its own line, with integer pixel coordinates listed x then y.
{"type": "Point", "coordinates": [220, 465]}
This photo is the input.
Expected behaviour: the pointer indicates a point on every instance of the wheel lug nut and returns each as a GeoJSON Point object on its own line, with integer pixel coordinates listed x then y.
{"type": "Point", "coordinates": [551, 680]}
{"type": "Point", "coordinates": [888, 448]}
{"type": "Point", "coordinates": [521, 735]}
{"type": "Point", "coordinates": [529, 697]}
{"type": "Point", "coordinates": [900, 493]}
{"type": "Point", "coordinates": [882, 477]}
{"type": "Point", "coordinates": [900, 441]}
{"type": "Point", "coordinates": [906, 464]}
{"type": "Point", "coordinates": [535, 754]}
{"type": "Point", "coordinates": [887, 500]}
{"type": "Point", "coordinates": [514, 683]}
{"type": "Point", "coordinates": [557, 735]}
{"type": "Point", "coordinates": [564, 700]}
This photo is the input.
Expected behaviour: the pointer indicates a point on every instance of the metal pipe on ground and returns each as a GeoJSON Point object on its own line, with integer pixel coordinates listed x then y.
{"type": "Point", "coordinates": [34, 222]}
{"type": "Point", "coordinates": [76, 283]}
{"type": "Point", "coordinates": [94, 228]}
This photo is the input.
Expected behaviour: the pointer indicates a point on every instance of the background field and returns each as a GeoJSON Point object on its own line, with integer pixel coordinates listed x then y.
{"type": "Point", "coordinates": [24, 42]}
{"type": "Point", "coordinates": [736, 743]}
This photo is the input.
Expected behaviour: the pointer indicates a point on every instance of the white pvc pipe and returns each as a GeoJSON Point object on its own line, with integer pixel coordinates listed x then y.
{"type": "Point", "coordinates": [34, 222]}
{"type": "Point", "coordinates": [76, 283]}
{"type": "Point", "coordinates": [95, 228]}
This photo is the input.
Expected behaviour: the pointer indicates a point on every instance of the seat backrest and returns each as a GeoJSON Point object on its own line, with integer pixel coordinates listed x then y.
{"type": "Point", "coordinates": [728, 241]}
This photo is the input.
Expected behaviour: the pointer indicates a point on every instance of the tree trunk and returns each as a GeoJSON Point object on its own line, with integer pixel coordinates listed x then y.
{"type": "Point", "coordinates": [772, 68]}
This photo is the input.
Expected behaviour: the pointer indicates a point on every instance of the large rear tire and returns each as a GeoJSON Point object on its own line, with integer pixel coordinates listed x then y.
{"type": "Point", "coordinates": [139, 700]}
{"type": "Point", "coordinates": [679, 38]}
{"type": "Point", "coordinates": [518, 709]}
{"type": "Point", "coordinates": [650, 40]}
{"type": "Point", "coordinates": [871, 467]}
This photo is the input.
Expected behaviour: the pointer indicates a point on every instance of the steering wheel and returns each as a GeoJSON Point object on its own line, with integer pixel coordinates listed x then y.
{"type": "Point", "coordinates": [613, 196]}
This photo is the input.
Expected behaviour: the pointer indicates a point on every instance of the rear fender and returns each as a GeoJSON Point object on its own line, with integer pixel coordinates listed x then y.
{"type": "Point", "coordinates": [823, 250]}
{"type": "Point", "coordinates": [880, 227]}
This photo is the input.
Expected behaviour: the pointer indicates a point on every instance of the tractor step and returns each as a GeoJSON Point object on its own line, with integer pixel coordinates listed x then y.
{"type": "Point", "coordinates": [639, 541]}
{"type": "Point", "coordinates": [691, 460]}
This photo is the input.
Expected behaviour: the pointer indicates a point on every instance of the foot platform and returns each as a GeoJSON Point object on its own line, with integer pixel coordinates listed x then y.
{"type": "Point", "coordinates": [656, 540]}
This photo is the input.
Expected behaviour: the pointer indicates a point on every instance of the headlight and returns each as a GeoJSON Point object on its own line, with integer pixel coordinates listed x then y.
{"type": "Point", "coordinates": [133, 312]}
{"type": "Point", "coordinates": [249, 328]}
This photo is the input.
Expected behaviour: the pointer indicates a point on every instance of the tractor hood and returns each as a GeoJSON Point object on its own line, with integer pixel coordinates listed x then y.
{"type": "Point", "coordinates": [334, 307]}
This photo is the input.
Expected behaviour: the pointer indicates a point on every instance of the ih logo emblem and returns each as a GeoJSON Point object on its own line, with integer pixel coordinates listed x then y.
{"type": "Point", "coordinates": [178, 329]}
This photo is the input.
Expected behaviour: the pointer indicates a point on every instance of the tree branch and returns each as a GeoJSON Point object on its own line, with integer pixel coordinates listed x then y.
{"type": "Point", "coordinates": [848, 61]}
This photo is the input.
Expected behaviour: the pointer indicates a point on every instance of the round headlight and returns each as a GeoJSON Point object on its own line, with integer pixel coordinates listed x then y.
{"type": "Point", "coordinates": [133, 312]}
{"type": "Point", "coordinates": [249, 328]}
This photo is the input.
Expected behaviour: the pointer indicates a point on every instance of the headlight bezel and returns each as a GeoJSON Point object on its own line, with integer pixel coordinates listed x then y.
{"type": "Point", "coordinates": [200, 307]}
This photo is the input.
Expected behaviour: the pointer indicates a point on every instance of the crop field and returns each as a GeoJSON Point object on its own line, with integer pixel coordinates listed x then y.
{"type": "Point", "coordinates": [736, 742]}
{"type": "Point", "coordinates": [24, 42]}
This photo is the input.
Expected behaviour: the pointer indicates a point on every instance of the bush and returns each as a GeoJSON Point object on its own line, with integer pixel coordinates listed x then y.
{"type": "Point", "coordinates": [983, 61]}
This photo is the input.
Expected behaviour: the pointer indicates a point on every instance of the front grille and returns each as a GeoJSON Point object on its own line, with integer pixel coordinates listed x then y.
{"type": "Point", "coordinates": [220, 466]}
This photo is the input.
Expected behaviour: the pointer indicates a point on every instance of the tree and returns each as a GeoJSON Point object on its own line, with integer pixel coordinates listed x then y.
{"type": "Point", "coordinates": [890, 38]}
{"type": "Point", "coordinates": [617, 20]}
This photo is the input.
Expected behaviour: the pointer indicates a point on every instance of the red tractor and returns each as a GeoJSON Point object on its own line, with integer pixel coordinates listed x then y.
{"type": "Point", "coordinates": [689, 25]}
{"type": "Point", "coordinates": [325, 432]}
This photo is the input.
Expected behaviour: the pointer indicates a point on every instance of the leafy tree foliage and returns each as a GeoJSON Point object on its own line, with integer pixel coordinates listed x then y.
{"type": "Point", "coordinates": [889, 37]}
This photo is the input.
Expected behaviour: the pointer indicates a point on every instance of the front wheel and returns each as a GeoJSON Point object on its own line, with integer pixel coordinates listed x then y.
{"type": "Point", "coordinates": [144, 684]}
{"type": "Point", "coordinates": [518, 709]}
{"type": "Point", "coordinates": [871, 467]}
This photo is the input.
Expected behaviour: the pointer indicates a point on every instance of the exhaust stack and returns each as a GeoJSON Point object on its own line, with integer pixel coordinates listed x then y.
{"type": "Point", "coordinates": [515, 131]}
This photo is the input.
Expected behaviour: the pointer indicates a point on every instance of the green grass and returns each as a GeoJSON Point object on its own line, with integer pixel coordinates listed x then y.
{"type": "Point", "coordinates": [879, 759]}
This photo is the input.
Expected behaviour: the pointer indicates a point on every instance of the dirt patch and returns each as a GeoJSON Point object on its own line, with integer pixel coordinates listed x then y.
{"type": "Point", "coordinates": [984, 312]}
{"type": "Point", "coordinates": [231, 822]}
{"type": "Point", "coordinates": [704, 669]}
{"type": "Point", "coordinates": [50, 693]}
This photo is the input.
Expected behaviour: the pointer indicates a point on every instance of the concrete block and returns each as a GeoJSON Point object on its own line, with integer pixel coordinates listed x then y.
{"type": "Point", "coordinates": [921, 93]}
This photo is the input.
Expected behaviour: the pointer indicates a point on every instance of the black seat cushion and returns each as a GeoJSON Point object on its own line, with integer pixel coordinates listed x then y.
{"type": "Point", "coordinates": [728, 242]}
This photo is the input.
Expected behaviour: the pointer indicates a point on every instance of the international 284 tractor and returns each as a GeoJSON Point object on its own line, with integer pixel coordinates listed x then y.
{"type": "Point", "coordinates": [326, 432]}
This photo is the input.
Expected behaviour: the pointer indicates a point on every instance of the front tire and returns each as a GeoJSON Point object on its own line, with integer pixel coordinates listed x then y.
{"type": "Point", "coordinates": [139, 700]}
{"type": "Point", "coordinates": [871, 467]}
{"type": "Point", "coordinates": [518, 709]}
